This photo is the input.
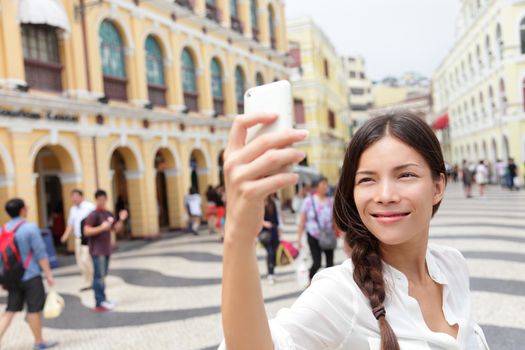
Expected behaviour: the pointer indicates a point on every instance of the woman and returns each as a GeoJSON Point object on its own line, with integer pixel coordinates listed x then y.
{"type": "Point", "coordinates": [482, 177]}
{"type": "Point", "coordinates": [271, 224]}
{"type": "Point", "coordinates": [316, 212]}
{"type": "Point", "coordinates": [211, 208]}
{"type": "Point", "coordinates": [396, 291]}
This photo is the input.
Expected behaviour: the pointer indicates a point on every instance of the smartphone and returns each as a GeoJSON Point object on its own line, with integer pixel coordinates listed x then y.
{"type": "Point", "coordinates": [274, 98]}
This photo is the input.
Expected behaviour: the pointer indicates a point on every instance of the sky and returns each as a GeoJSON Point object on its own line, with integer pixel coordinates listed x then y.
{"type": "Point", "coordinates": [394, 36]}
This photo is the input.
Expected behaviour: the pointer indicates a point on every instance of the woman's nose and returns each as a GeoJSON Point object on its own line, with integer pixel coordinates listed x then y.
{"type": "Point", "coordinates": [386, 192]}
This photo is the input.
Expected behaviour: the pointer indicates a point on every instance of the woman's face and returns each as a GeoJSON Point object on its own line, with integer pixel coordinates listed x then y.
{"type": "Point", "coordinates": [322, 187]}
{"type": "Point", "coordinates": [394, 191]}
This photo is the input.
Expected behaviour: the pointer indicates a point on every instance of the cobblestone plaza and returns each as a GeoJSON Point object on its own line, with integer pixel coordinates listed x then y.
{"type": "Point", "coordinates": [168, 291]}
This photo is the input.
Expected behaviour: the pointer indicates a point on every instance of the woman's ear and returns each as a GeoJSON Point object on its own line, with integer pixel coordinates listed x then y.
{"type": "Point", "coordinates": [439, 189]}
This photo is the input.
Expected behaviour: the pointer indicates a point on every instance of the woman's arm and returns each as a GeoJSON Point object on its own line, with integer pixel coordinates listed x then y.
{"type": "Point", "coordinates": [300, 230]}
{"type": "Point", "coordinates": [251, 172]}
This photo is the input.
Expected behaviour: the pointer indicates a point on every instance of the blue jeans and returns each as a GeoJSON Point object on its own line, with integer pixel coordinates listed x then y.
{"type": "Point", "coordinates": [100, 271]}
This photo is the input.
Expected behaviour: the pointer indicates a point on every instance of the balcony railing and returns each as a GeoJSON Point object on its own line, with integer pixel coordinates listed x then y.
{"type": "Point", "coordinates": [213, 13]}
{"type": "Point", "coordinates": [43, 75]}
{"type": "Point", "coordinates": [157, 95]}
{"type": "Point", "coordinates": [115, 88]}
{"type": "Point", "coordinates": [218, 105]}
{"type": "Point", "coordinates": [185, 3]}
{"type": "Point", "coordinates": [191, 101]}
{"type": "Point", "coordinates": [236, 24]}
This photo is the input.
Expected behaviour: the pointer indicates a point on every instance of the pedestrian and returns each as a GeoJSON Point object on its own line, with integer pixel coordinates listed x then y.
{"type": "Point", "coordinates": [271, 225]}
{"type": "Point", "coordinates": [500, 172]}
{"type": "Point", "coordinates": [98, 228]}
{"type": "Point", "coordinates": [78, 212]}
{"type": "Point", "coordinates": [316, 214]}
{"type": "Point", "coordinates": [396, 291]}
{"type": "Point", "coordinates": [30, 290]}
{"type": "Point", "coordinates": [211, 208]}
{"type": "Point", "coordinates": [482, 177]}
{"type": "Point", "coordinates": [193, 204]}
{"type": "Point", "coordinates": [512, 173]}
{"type": "Point", "coordinates": [298, 199]}
{"type": "Point", "coordinates": [467, 179]}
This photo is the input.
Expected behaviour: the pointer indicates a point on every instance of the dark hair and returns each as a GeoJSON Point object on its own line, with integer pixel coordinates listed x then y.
{"type": "Point", "coordinates": [100, 193]}
{"type": "Point", "coordinates": [14, 206]}
{"type": "Point", "coordinates": [366, 256]}
{"type": "Point", "coordinates": [77, 191]}
{"type": "Point", "coordinates": [317, 181]}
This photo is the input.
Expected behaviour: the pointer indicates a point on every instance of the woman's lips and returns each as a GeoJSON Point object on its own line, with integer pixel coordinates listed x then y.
{"type": "Point", "coordinates": [388, 218]}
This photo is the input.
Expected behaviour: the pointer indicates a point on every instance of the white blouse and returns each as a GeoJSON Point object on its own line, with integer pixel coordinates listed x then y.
{"type": "Point", "coordinates": [333, 313]}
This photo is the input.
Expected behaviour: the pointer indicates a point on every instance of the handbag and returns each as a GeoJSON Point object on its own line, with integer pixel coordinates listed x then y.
{"type": "Point", "coordinates": [327, 237]}
{"type": "Point", "coordinates": [265, 236]}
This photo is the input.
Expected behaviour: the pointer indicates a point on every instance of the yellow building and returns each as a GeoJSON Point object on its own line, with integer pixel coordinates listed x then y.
{"type": "Point", "coordinates": [134, 97]}
{"type": "Point", "coordinates": [480, 83]}
{"type": "Point", "coordinates": [320, 98]}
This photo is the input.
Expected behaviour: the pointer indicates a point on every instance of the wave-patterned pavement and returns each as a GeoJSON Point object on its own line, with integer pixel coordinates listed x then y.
{"type": "Point", "coordinates": [168, 291]}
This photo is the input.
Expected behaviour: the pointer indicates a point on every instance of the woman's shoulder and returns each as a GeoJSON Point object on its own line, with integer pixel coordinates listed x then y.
{"type": "Point", "coordinates": [449, 260]}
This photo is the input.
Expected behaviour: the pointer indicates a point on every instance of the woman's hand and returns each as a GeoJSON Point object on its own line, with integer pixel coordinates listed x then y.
{"type": "Point", "coordinates": [255, 170]}
{"type": "Point", "coordinates": [267, 224]}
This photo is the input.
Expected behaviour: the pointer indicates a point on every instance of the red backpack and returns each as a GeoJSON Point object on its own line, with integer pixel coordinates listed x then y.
{"type": "Point", "coordinates": [11, 267]}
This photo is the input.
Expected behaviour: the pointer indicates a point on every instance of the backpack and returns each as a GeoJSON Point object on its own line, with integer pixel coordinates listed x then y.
{"type": "Point", "coordinates": [12, 268]}
{"type": "Point", "coordinates": [83, 237]}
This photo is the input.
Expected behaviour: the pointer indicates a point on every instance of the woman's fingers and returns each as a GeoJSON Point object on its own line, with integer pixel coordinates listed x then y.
{"type": "Point", "coordinates": [272, 162]}
{"type": "Point", "coordinates": [266, 142]}
{"type": "Point", "coordinates": [241, 123]}
{"type": "Point", "coordinates": [255, 190]}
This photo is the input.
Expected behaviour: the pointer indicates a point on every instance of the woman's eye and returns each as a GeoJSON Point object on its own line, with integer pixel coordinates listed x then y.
{"type": "Point", "coordinates": [408, 175]}
{"type": "Point", "coordinates": [363, 180]}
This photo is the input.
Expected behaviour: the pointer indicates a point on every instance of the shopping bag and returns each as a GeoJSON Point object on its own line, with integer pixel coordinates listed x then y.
{"type": "Point", "coordinates": [290, 248]}
{"type": "Point", "coordinates": [302, 272]}
{"type": "Point", "coordinates": [54, 305]}
{"type": "Point", "coordinates": [283, 256]}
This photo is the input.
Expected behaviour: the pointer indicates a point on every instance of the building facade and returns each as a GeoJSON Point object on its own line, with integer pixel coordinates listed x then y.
{"type": "Point", "coordinates": [132, 97]}
{"type": "Point", "coordinates": [479, 87]}
{"type": "Point", "coordinates": [359, 89]}
{"type": "Point", "coordinates": [320, 98]}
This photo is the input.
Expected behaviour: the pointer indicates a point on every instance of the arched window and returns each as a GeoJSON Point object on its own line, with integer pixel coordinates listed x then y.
{"type": "Point", "coordinates": [482, 106]}
{"type": "Point", "coordinates": [234, 16]}
{"type": "Point", "coordinates": [212, 11]}
{"type": "Point", "coordinates": [253, 17]}
{"type": "Point", "coordinates": [41, 58]}
{"type": "Point", "coordinates": [499, 41]}
{"type": "Point", "coordinates": [467, 116]}
{"type": "Point", "coordinates": [271, 25]}
{"type": "Point", "coordinates": [112, 57]}
{"type": "Point", "coordinates": [217, 87]}
{"type": "Point", "coordinates": [474, 113]}
{"type": "Point", "coordinates": [478, 57]}
{"type": "Point", "coordinates": [189, 81]}
{"type": "Point", "coordinates": [503, 96]}
{"type": "Point", "coordinates": [488, 51]}
{"type": "Point", "coordinates": [259, 80]}
{"type": "Point", "coordinates": [491, 101]}
{"type": "Point", "coordinates": [522, 35]}
{"type": "Point", "coordinates": [239, 89]}
{"type": "Point", "coordinates": [471, 66]}
{"type": "Point", "coordinates": [155, 72]}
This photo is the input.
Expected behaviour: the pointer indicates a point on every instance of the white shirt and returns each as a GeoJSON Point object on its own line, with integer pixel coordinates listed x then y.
{"type": "Point", "coordinates": [194, 203]}
{"type": "Point", "coordinates": [333, 313]}
{"type": "Point", "coordinates": [77, 213]}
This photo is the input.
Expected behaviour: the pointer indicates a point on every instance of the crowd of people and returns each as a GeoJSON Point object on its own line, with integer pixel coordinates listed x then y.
{"type": "Point", "coordinates": [503, 173]}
